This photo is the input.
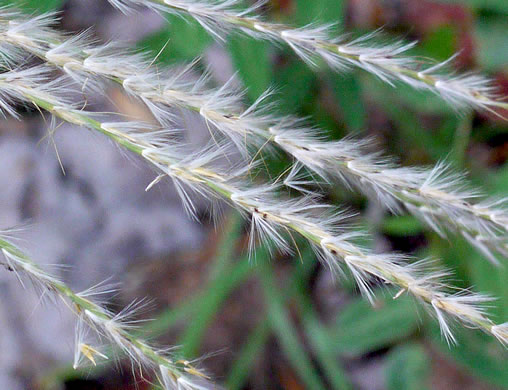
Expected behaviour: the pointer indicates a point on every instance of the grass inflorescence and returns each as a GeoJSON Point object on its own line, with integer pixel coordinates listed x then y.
{"type": "Point", "coordinates": [438, 196]}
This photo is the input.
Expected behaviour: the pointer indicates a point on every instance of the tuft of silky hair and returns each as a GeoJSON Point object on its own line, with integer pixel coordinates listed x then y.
{"type": "Point", "coordinates": [274, 216]}
{"type": "Point", "coordinates": [438, 196]}
{"type": "Point", "coordinates": [93, 318]}
{"type": "Point", "coordinates": [317, 43]}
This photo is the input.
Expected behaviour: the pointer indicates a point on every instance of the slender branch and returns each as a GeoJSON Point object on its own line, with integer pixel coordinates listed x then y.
{"type": "Point", "coordinates": [436, 196]}
{"type": "Point", "coordinates": [271, 215]}
{"type": "Point", "coordinates": [316, 42]}
{"type": "Point", "coordinates": [172, 372]}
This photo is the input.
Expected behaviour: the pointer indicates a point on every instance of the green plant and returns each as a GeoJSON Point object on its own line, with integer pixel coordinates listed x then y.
{"type": "Point", "coordinates": [282, 209]}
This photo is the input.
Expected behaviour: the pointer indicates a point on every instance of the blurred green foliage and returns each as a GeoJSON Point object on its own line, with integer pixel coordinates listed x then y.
{"type": "Point", "coordinates": [408, 368]}
{"type": "Point", "coordinates": [500, 6]}
{"type": "Point", "coordinates": [35, 6]}
{"type": "Point", "coordinates": [360, 328]}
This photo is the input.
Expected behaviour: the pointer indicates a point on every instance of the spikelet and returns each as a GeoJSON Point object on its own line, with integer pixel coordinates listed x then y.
{"type": "Point", "coordinates": [93, 317]}
{"type": "Point", "coordinates": [437, 196]}
{"type": "Point", "coordinates": [316, 43]}
{"type": "Point", "coordinates": [501, 333]}
{"type": "Point", "coordinates": [273, 216]}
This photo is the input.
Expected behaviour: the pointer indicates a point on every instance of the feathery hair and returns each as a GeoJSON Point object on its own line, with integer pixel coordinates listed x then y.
{"type": "Point", "coordinates": [316, 42]}
{"type": "Point", "coordinates": [272, 216]}
{"type": "Point", "coordinates": [116, 328]}
{"type": "Point", "coordinates": [437, 196]}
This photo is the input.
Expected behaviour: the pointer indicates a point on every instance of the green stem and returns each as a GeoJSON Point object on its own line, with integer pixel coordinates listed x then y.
{"type": "Point", "coordinates": [405, 195]}
{"type": "Point", "coordinates": [221, 186]}
{"type": "Point", "coordinates": [81, 304]}
{"type": "Point", "coordinates": [277, 30]}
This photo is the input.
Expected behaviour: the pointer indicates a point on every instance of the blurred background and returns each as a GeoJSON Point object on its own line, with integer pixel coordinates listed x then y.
{"type": "Point", "coordinates": [276, 321]}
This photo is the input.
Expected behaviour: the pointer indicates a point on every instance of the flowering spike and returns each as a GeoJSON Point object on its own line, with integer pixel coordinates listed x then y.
{"type": "Point", "coordinates": [315, 43]}
{"type": "Point", "coordinates": [437, 196]}
{"type": "Point", "coordinates": [92, 316]}
{"type": "Point", "coordinates": [274, 216]}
